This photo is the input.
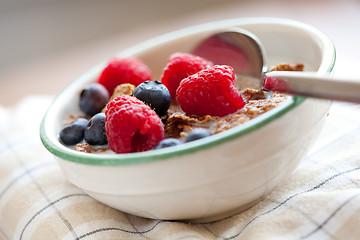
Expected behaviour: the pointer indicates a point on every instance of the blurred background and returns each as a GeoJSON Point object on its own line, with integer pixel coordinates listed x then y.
{"type": "Point", "coordinates": [46, 44]}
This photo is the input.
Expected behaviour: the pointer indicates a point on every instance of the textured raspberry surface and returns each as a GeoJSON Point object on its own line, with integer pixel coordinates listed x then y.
{"type": "Point", "coordinates": [210, 92]}
{"type": "Point", "coordinates": [124, 70]}
{"type": "Point", "coordinates": [180, 66]}
{"type": "Point", "coordinates": [277, 84]}
{"type": "Point", "coordinates": [132, 126]}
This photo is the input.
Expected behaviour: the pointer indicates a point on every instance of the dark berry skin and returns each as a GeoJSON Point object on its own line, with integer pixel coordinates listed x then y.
{"type": "Point", "coordinates": [93, 98]}
{"type": "Point", "coordinates": [196, 134]}
{"type": "Point", "coordinates": [95, 130]}
{"type": "Point", "coordinates": [168, 142]}
{"type": "Point", "coordinates": [155, 94]}
{"type": "Point", "coordinates": [73, 133]}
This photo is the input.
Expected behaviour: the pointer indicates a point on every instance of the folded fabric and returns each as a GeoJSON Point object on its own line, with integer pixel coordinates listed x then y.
{"type": "Point", "coordinates": [320, 200]}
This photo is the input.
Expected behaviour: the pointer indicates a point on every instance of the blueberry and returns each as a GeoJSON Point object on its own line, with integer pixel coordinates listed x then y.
{"type": "Point", "coordinates": [197, 133]}
{"type": "Point", "coordinates": [168, 142]}
{"type": "Point", "coordinates": [155, 94]}
{"type": "Point", "coordinates": [95, 130]}
{"type": "Point", "coordinates": [73, 133]}
{"type": "Point", "coordinates": [93, 98]}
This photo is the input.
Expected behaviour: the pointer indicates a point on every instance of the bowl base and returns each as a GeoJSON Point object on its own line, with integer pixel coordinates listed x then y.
{"type": "Point", "coordinates": [224, 215]}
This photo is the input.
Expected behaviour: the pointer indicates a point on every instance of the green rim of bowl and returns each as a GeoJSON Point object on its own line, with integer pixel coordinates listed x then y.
{"type": "Point", "coordinates": [66, 153]}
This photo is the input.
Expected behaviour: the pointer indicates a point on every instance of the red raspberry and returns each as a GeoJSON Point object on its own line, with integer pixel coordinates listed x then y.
{"type": "Point", "coordinates": [277, 84]}
{"type": "Point", "coordinates": [124, 70]}
{"type": "Point", "coordinates": [180, 66]}
{"type": "Point", "coordinates": [210, 92]}
{"type": "Point", "coordinates": [132, 126]}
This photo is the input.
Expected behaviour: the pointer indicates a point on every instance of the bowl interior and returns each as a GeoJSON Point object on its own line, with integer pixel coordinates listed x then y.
{"type": "Point", "coordinates": [285, 41]}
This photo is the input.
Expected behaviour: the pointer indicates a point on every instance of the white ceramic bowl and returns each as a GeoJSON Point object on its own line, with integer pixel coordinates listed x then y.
{"type": "Point", "coordinates": [216, 175]}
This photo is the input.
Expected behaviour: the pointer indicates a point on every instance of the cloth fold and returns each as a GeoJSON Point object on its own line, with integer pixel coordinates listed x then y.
{"type": "Point", "coordinates": [320, 200]}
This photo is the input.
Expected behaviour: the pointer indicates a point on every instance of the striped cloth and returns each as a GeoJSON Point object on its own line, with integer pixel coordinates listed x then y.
{"type": "Point", "coordinates": [320, 200]}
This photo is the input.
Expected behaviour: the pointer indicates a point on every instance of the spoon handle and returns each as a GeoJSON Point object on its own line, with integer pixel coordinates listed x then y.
{"type": "Point", "coordinates": [311, 84]}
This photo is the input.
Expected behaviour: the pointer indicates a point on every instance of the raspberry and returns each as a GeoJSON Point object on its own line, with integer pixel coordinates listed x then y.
{"type": "Point", "coordinates": [132, 126]}
{"type": "Point", "coordinates": [210, 92]}
{"type": "Point", "coordinates": [276, 84]}
{"type": "Point", "coordinates": [180, 66]}
{"type": "Point", "coordinates": [124, 70]}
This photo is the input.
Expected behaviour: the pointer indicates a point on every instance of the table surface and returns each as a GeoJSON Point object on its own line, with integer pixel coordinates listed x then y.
{"type": "Point", "coordinates": [52, 70]}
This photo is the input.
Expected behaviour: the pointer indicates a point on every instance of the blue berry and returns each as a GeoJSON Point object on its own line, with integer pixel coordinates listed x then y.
{"type": "Point", "coordinates": [155, 94]}
{"type": "Point", "coordinates": [168, 142]}
{"type": "Point", "coordinates": [95, 130]}
{"type": "Point", "coordinates": [197, 133]}
{"type": "Point", "coordinates": [93, 98]}
{"type": "Point", "coordinates": [73, 133]}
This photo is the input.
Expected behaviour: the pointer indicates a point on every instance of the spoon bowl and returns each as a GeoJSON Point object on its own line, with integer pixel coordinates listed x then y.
{"type": "Point", "coordinates": [237, 48]}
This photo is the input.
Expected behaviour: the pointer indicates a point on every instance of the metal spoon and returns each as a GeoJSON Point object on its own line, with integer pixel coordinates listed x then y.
{"type": "Point", "coordinates": [245, 53]}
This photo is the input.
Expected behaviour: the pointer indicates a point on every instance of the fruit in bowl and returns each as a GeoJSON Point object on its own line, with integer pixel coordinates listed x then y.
{"type": "Point", "coordinates": [214, 175]}
{"type": "Point", "coordinates": [139, 118]}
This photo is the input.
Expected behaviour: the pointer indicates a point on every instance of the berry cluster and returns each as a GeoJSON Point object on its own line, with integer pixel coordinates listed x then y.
{"type": "Point", "coordinates": [134, 123]}
{"type": "Point", "coordinates": [93, 98]}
